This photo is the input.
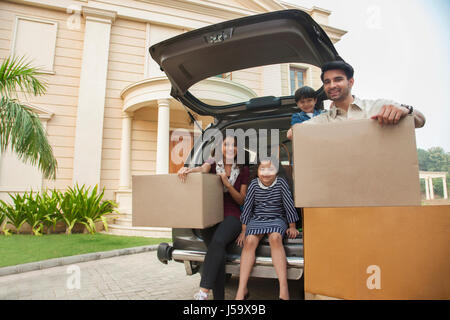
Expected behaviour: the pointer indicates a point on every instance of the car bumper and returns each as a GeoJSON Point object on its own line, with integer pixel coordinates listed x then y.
{"type": "Point", "coordinates": [263, 267]}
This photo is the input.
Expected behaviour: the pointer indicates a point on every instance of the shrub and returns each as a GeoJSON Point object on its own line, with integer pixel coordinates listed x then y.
{"type": "Point", "coordinates": [2, 219]}
{"type": "Point", "coordinates": [76, 205]}
{"type": "Point", "coordinates": [15, 212]}
{"type": "Point", "coordinates": [34, 214]}
{"type": "Point", "coordinates": [50, 205]}
{"type": "Point", "coordinates": [92, 209]}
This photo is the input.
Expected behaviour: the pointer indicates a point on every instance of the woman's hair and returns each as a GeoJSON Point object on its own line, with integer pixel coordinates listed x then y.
{"type": "Point", "coordinates": [213, 149]}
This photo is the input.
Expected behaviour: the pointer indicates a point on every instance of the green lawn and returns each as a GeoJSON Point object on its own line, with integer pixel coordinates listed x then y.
{"type": "Point", "coordinates": [18, 249]}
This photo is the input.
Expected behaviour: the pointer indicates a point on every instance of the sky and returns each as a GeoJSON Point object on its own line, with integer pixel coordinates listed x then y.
{"type": "Point", "coordinates": [400, 51]}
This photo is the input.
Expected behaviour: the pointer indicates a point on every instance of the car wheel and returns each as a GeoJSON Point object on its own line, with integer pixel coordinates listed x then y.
{"type": "Point", "coordinates": [164, 252]}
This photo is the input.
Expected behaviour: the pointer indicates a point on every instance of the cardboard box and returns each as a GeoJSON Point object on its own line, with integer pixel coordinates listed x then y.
{"type": "Point", "coordinates": [355, 163]}
{"type": "Point", "coordinates": [165, 201]}
{"type": "Point", "coordinates": [378, 252]}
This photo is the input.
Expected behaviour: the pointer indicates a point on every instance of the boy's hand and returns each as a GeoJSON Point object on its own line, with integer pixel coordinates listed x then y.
{"type": "Point", "coordinates": [292, 232]}
{"type": "Point", "coordinates": [289, 134]}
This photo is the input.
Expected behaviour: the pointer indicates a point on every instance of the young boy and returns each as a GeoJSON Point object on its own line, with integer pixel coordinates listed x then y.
{"type": "Point", "coordinates": [306, 100]}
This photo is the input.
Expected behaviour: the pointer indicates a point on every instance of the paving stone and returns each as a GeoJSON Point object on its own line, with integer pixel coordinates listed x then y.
{"type": "Point", "coordinates": [134, 276]}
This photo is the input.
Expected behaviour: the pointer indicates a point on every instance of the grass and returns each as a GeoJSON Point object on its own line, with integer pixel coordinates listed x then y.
{"type": "Point", "coordinates": [17, 249]}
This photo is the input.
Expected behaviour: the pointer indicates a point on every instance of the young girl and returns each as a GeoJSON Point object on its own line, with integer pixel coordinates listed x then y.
{"type": "Point", "coordinates": [268, 209]}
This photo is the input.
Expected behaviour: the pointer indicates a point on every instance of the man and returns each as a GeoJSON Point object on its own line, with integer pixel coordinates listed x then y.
{"type": "Point", "coordinates": [337, 78]}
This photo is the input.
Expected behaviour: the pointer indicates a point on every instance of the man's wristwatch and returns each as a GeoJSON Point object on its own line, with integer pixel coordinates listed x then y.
{"type": "Point", "coordinates": [410, 108]}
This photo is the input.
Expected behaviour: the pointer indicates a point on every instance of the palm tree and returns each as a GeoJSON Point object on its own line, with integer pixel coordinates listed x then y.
{"type": "Point", "coordinates": [20, 128]}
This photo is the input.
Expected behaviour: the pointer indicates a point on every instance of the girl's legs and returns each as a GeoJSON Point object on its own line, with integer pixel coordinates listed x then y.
{"type": "Point", "coordinates": [279, 262]}
{"type": "Point", "coordinates": [247, 261]}
{"type": "Point", "coordinates": [213, 274]}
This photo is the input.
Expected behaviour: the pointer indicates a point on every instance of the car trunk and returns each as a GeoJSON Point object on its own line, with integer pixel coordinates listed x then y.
{"type": "Point", "coordinates": [289, 36]}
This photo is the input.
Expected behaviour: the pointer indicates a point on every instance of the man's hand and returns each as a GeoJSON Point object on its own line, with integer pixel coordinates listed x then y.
{"type": "Point", "coordinates": [390, 115]}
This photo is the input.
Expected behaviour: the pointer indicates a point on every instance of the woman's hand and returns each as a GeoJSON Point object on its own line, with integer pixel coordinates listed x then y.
{"type": "Point", "coordinates": [240, 239]}
{"type": "Point", "coordinates": [183, 172]}
{"type": "Point", "coordinates": [224, 178]}
{"type": "Point", "coordinates": [292, 232]}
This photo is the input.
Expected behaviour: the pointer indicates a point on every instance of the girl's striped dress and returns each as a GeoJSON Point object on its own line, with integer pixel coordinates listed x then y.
{"type": "Point", "coordinates": [268, 209]}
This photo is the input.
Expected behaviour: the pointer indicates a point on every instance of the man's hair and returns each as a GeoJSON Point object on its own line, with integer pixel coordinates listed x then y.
{"type": "Point", "coordinates": [338, 65]}
{"type": "Point", "coordinates": [304, 92]}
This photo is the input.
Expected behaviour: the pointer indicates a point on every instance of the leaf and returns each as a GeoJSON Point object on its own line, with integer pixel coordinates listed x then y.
{"type": "Point", "coordinates": [20, 128]}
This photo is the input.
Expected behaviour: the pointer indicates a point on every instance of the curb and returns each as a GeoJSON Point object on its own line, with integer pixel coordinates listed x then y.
{"type": "Point", "coordinates": [57, 262]}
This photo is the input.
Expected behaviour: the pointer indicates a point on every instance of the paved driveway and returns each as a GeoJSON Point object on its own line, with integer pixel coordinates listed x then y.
{"type": "Point", "coordinates": [136, 276]}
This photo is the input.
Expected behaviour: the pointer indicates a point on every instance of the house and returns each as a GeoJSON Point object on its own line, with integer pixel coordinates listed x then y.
{"type": "Point", "coordinates": [108, 110]}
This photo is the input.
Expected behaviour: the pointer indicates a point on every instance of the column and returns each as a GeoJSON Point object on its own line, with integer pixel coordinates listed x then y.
{"type": "Point", "coordinates": [125, 152]}
{"type": "Point", "coordinates": [430, 183]}
{"type": "Point", "coordinates": [91, 96]}
{"type": "Point", "coordinates": [162, 147]}
{"type": "Point", "coordinates": [427, 189]}
{"type": "Point", "coordinates": [444, 181]}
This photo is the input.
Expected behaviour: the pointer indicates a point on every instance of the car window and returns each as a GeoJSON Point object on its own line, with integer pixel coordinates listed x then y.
{"type": "Point", "coordinates": [240, 86]}
{"type": "Point", "coordinates": [253, 138]}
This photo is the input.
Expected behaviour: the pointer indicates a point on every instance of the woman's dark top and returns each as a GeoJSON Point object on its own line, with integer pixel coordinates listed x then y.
{"type": "Point", "coordinates": [230, 207]}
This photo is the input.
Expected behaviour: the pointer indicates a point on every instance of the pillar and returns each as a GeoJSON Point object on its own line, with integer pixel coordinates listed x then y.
{"type": "Point", "coordinates": [427, 189]}
{"type": "Point", "coordinates": [162, 147]}
{"type": "Point", "coordinates": [444, 181]}
{"type": "Point", "coordinates": [91, 96]}
{"type": "Point", "coordinates": [125, 152]}
{"type": "Point", "coordinates": [430, 183]}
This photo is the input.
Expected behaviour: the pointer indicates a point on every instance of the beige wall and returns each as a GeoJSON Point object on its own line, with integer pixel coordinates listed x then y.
{"type": "Point", "coordinates": [251, 78]}
{"type": "Point", "coordinates": [62, 93]}
{"type": "Point", "coordinates": [125, 66]}
{"type": "Point", "coordinates": [138, 25]}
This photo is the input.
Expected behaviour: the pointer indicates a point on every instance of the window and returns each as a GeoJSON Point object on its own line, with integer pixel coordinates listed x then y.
{"type": "Point", "coordinates": [36, 40]}
{"type": "Point", "coordinates": [297, 78]}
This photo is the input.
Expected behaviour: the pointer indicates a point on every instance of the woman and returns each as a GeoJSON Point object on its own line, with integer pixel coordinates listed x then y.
{"type": "Point", "coordinates": [235, 182]}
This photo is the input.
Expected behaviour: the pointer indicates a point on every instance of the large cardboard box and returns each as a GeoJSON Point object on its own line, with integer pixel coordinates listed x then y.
{"type": "Point", "coordinates": [355, 163]}
{"type": "Point", "coordinates": [377, 252]}
{"type": "Point", "coordinates": [165, 201]}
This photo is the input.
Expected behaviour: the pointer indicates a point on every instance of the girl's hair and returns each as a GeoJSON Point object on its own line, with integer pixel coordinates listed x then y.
{"type": "Point", "coordinates": [274, 160]}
